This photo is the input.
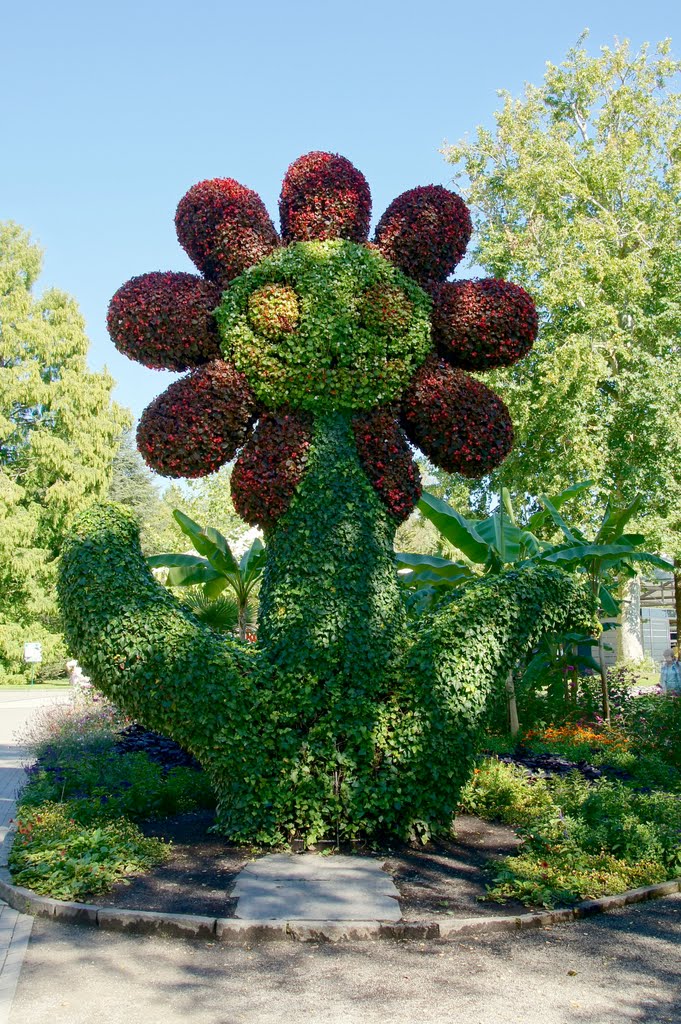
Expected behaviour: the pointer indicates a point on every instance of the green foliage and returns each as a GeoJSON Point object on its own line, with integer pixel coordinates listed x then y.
{"type": "Point", "coordinates": [133, 484]}
{"type": "Point", "coordinates": [655, 724]}
{"type": "Point", "coordinates": [500, 792]}
{"type": "Point", "coordinates": [339, 722]}
{"type": "Point", "coordinates": [206, 500]}
{"type": "Point", "coordinates": [215, 569]}
{"type": "Point", "coordinates": [576, 190]}
{"type": "Point", "coordinates": [56, 855]}
{"type": "Point", "coordinates": [580, 839]}
{"type": "Point", "coordinates": [563, 876]}
{"type": "Point", "coordinates": [498, 541]}
{"type": "Point", "coordinates": [113, 784]}
{"type": "Point", "coordinates": [58, 431]}
{"type": "Point", "coordinates": [72, 729]}
{"type": "Point", "coordinates": [221, 613]}
{"type": "Point", "coordinates": [364, 327]}
{"type": "Point", "coordinates": [75, 832]}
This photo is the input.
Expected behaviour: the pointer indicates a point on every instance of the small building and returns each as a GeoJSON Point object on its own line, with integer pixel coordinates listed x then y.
{"type": "Point", "coordinates": [657, 617]}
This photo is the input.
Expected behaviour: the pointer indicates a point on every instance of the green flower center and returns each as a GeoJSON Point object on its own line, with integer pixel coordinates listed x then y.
{"type": "Point", "coordinates": [325, 325]}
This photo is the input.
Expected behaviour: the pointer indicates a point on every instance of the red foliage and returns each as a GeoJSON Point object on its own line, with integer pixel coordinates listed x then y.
{"type": "Point", "coordinates": [324, 196]}
{"type": "Point", "coordinates": [224, 228]}
{"type": "Point", "coordinates": [386, 457]}
{"type": "Point", "coordinates": [425, 232]}
{"type": "Point", "coordinates": [480, 324]}
{"type": "Point", "coordinates": [198, 423]}
{"type": "Point", "coordinates": [271, 466]}
{"type": "Point", "coordinates": [460, 424]}
{"type": "Point", "coordinates": [165, 321]}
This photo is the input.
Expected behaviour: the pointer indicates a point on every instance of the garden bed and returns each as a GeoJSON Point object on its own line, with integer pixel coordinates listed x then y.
{"type": "Point", "coordinates": [437, 880]}
{"type": "Point", "coordinates": [115, 815]}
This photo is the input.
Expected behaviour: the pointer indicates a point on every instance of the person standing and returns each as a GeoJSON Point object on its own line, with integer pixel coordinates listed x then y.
{"type": "Point", "coordinates": [670, 673]}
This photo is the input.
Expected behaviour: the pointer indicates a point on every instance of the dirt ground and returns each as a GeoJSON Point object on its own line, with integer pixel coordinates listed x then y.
{"type": "Point", "coordinates": [436, 880]}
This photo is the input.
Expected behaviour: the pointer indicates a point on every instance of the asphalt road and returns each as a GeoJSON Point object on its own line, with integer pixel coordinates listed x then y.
{"type": "Point", "coordinates": [620, 967]}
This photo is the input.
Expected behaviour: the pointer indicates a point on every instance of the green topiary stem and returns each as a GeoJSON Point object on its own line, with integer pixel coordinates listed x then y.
{"type": "Point", "coordinates": [330, 606]}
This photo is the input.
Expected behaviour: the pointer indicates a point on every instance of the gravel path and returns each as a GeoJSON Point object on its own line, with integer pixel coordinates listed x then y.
{"type": "Point", "coordinates": [619, 968]}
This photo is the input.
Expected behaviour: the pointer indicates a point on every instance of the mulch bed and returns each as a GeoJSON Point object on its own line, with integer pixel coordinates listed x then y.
{"type": "Point", "coordinates": [447, 878]}
{"type": "Point", "coordinates": [436, 880]}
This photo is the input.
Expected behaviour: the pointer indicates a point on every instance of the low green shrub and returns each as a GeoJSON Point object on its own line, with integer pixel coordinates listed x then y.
{"type": "Point", "coordinates": [55, 855]}
{"type": "Point", "coordinates": [111, 784]}
{"type": "Point", "coordinates": [75, 831]}
{"type": "Point", "coordinates": [501, 792]}
{"type": "Point", "coordinates": [580, 839]}
{"type": "Point", "coordinates": [567, 876]}
{"type": "Point", "coordinates": [654, 724]}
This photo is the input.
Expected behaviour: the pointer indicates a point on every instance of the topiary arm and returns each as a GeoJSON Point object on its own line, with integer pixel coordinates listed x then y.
{"type": "Point", "coordinates": [434, 724]}
{"type": "Point", "coordinates": [144, 650]}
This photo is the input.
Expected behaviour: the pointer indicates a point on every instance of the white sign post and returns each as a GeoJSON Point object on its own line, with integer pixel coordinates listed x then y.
{"type": "Point", "coordinates": [33, 655]}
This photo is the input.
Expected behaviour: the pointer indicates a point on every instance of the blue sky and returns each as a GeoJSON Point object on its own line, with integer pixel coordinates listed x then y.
{"type": "Point", "coordinates": [111, 112]}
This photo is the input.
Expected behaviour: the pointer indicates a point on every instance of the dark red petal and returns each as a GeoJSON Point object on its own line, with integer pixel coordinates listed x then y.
{"type": "Point", "coordinates": [271, 466]}
{"type": "Point", "coordinates": [481, 324]}
{"type": "Point", "coordinates": [324, 196]}
{"type": "Point", "coordinates": [198, 423]}
{"type": "Point", "coordinates": [425, 232]}
{"type": "Point", "coordinates": [224, 228]}
{"type": "Point", "coordinates": [165, 321]}
{"type": "Point", "coordinates": [386, 457]}
{"type": "Point", "coordinates": [459, 423]}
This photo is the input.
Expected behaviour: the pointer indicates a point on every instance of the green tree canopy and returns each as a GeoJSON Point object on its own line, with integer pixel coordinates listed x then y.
{"type": "Point", "coordinates": [58, 430]}
{"type": "Point", "coordinates": [576, 194]}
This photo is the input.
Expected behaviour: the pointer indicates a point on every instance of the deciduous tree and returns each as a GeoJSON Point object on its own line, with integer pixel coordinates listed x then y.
{"type": "Point", "coordinates": [576, 193]}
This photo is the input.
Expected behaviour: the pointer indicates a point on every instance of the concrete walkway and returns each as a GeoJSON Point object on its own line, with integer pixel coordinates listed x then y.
{"type": "Point", "coordinates": [16, 707]}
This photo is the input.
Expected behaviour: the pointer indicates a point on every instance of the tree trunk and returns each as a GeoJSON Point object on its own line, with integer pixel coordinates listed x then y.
{"type": "Point", "coordinates": [629, 639]}
{"type": "Point", "coordinates": [513, 724]}
{"type": "Point", "coordinates": [677, 599]}
{"type": "Point", "coordinates": [605, 696]}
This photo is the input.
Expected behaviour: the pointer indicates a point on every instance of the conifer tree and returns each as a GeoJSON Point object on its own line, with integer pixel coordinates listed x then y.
{"type": "Point", "coordinates": [58, 430]}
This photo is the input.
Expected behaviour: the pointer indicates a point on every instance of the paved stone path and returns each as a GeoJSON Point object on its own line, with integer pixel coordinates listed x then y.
{"type": "Point", "coordinates": [16, 707]}
{"type": "Point", "coordinates": [307, 887]}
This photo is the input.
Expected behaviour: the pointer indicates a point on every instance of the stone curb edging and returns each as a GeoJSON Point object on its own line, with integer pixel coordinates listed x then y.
{"type": "Point", "coordinates": [236, 930]}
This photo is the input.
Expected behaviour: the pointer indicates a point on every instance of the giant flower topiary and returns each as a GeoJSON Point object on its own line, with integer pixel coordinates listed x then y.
{"type": "Point", "coordinates": [313, 357]}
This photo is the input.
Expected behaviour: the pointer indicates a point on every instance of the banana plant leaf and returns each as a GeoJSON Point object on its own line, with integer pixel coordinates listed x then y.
{"type": "Point", "coordinates": [254, 559]}
{"type": "Point", "coordinates": [557, 500]}
{"type": "Point", "coordinates": [433, 564]}
{"type": "Point", "coordinates": [209, 542]}
{"type": "Point", "coordinates": [615, 520]}
{"type": "Point", "coordinates": [171, 561]}
{"type": "Point", "coordinates": [572, 535]}
{"type": "Point", "coordinates": [455, 528]}
{"type": "Point", "coordinates": [610, 554]}
{"type": "Point", "coordinates": [192, 575]}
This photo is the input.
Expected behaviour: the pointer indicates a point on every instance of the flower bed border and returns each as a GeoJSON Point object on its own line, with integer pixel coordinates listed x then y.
{"type": "Point", "coordinates": [237, 930]}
